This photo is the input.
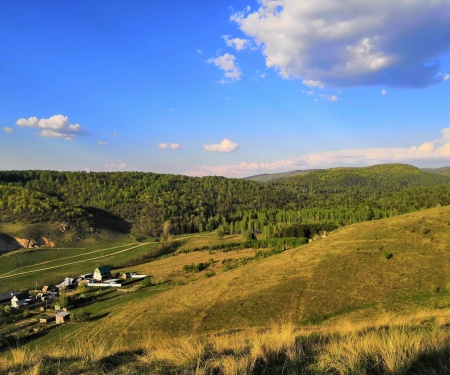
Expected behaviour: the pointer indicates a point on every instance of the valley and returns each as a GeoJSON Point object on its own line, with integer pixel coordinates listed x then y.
{"type": "Point", "coordinates": [262, 290]}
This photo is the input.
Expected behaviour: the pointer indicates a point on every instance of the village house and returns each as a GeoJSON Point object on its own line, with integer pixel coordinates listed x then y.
{"type": "Point", "coordinates": [6, 297]}
{"type": "Point", "coordinates": [46, 296]}
{"type": "Point", "coordinates": [20, 300]}
{"type": "Point", "coordinates": [68, 283]}
{"type": "Point", "coordinates": [102, 273]}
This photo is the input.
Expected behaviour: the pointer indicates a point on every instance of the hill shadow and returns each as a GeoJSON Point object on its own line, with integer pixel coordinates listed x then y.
{"type": "Point", "coordinates": [109, 220]}
{"type": "Point", "coordinates": [8, 243]}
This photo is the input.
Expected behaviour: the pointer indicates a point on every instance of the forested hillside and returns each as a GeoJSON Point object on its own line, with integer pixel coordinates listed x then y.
{"type": "Point", "coordinates": [293, 206]}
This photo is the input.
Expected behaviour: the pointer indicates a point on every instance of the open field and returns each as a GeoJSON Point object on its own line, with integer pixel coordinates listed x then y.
{"type": "Point", "coordinates": [24, 268]}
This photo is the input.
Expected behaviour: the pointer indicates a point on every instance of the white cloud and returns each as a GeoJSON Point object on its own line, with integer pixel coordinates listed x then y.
{"type": "Point", "coordinates": [227, 63]}
{"type": "Point", "coordinates": [7, 129]}
{"type": "Point", "coordinates": [435, 151]}
{"type": "Point", "coordinates": [57, 126]}
{"type": "Point", "coordinates": [343, 44]}
{"type": "Point", "coordinates": [330, 98]}
{"type": "Point", "coordinates": [170, 146]}
{"type": "Point", "coordinates": [114, 167]}
{"type": "Point", "coordinates": [115, 134]}
{"type": "Point", "coordinates": [384, 92]}
{"type": "Point", "coordinates": [199, 51]}
{"type": "Point", "coordinates": [238, 43]}
{"type": "Point", "coordinates": [102, 143]}
{"type": "Point", "coordinates": [225, 146]}
{"type": "Point", "coordinates": [311, 83]}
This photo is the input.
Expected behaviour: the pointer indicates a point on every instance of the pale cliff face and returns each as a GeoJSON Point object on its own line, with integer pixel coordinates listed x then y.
{"type": "Point", "coordinates": [8, 243]}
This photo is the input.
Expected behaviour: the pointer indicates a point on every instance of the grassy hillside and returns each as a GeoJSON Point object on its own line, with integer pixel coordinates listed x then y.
{"type": "Point", "coordinates": [284, 311]}
{"type": "Point", "coordinates": [444, 171]}
{"type": "Point", "coordinates": [361, 270]}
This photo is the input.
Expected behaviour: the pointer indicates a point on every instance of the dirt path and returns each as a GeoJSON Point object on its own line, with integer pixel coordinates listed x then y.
{"type": "Point", "coordinates": [8, 274]}
{"type": "Point", "coordinates": [69, 257]}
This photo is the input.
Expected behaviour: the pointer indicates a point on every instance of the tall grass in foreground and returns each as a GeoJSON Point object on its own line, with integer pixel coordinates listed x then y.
{"type": "Point", "coordinates": [418, 344]}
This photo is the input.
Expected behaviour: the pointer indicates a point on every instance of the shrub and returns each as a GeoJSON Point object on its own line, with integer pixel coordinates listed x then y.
{"type": "Point", "coordinates": [81, 316]}
{"type": "Point", "coordinates": [387, 255]}
{"type": "Point", "coordinates": [146, 282]}
{"type": "Point", "coordinates": [64, 300]}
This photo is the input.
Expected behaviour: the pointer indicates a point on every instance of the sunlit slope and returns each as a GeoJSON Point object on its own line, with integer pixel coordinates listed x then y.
{"type": "Point", "coordinates": [347, 272]}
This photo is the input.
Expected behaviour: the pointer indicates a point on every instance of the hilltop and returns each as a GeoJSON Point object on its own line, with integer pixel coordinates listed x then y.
{"type": "Point", "coordinates": [267, 177]}
{"type": "Point", "coordinates": [142, 203]}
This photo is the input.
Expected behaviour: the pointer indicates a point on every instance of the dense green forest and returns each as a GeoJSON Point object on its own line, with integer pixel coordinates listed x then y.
{"type": "Point", "coordinates": [293, 206]}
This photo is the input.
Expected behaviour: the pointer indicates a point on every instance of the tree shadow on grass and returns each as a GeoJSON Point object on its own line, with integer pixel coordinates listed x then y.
{"type": "Point", "coordinates": [109, 220]}
{"type": "Point", "coordinates": [98, 317]}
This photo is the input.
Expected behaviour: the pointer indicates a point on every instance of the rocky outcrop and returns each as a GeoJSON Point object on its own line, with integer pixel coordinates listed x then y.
{"type": "Point", "coordinates": [8, 243]}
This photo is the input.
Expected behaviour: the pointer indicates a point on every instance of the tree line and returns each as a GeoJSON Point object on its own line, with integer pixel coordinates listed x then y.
{"type": "Point", "coordinates": [287, 207]}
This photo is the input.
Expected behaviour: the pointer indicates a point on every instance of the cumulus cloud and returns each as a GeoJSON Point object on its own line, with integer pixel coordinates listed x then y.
{"type": "Point", "coordinates": [170, 146]}
{"type": "Point", "coordinates": [428, 151]}
{"type": "Point", "coordinates": [225, 146]}
{"type": "Point", "coordinates": [311, 83]}
{"type": "Point", "coordinates": [237, 43]}
{"type": "Point", "coordinates": [57, 126]}
{"type": "Point", "coordinates": [227, 63]}
{"type": "Point", "coordinates": [7, 129]}
{"type": "Point", "coordinates": [341, 44]}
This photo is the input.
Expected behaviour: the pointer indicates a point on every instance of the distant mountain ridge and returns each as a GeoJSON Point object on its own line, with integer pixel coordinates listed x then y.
{"type": "Point", "coordinates": [141, 203]}
{"type": "Point", "coordinates": [267, 177]}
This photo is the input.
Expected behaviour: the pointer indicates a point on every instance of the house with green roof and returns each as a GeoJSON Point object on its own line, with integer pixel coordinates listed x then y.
{"type": "Point", "coordinates": [102, 273]}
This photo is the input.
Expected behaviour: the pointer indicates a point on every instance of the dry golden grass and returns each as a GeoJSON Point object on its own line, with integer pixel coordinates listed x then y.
{"type": "Point", "coordinates": [183, 351]}
{"type": "Point", "coordinates": [392, 350]}
{"type": "Point", "coordinates": [340, 349]}
{"type": "Point", "coordinates": [172, 267]}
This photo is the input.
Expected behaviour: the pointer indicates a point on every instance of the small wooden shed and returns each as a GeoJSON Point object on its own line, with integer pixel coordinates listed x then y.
{"type": "Point", "coordinates": [62, 316]}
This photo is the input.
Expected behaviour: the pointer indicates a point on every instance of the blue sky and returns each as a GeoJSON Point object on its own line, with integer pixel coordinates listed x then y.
{"type": "Point", "coordinates": [223, 88]}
